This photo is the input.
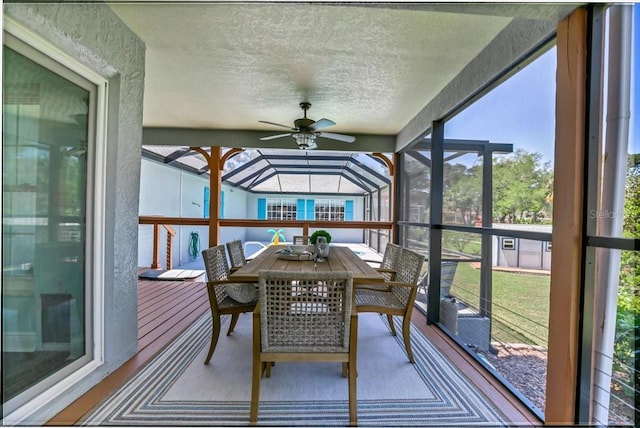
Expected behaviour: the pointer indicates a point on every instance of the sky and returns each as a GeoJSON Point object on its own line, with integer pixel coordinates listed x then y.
{"type": "Point", "coordinates": [521, 110]}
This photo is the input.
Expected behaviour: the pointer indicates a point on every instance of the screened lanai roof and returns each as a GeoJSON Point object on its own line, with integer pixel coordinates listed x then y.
{"type": "Point", "coordinates": [286, 171]}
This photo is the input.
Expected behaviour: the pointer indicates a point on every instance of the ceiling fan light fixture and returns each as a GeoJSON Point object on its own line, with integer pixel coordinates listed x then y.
{"type": "Point", "coordinates": [305, 140]}
{"type": "Point", "coordinates": [306, 130]}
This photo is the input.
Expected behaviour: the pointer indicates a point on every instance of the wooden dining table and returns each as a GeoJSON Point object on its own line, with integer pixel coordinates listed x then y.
{"type": "Point", "coordinates": [339, 259]}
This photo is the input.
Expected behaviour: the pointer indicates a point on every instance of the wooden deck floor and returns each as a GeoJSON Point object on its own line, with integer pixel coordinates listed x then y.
{"type": "Point", "coordinates": [166, 308]}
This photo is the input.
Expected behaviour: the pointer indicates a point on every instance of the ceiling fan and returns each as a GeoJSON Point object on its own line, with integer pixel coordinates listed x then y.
{"type": "Point", "coordinates": [306, 130]}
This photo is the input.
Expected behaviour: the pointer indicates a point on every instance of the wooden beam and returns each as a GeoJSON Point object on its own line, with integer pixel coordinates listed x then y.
{"type": "Point", "coordinates": [214, 161]}
{"type": "Point", "coordinates": [230, 152]}
{"type": "Point", "coordinates": [215, 178]}
{"type": "Point", "coordinates": [387, 162]}
{"type": "Point", "coordinates": [304, 224]}
{"type": "Point", "coordinates": [566, 262]}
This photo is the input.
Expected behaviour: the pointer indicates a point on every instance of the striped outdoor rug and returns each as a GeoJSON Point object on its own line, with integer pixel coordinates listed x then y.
{"type": "Point", "coordinates": [176, 388]}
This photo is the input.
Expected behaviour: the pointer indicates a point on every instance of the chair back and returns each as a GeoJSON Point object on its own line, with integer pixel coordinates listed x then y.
{"type": "Point", "coordinates": [236, 253]}
{"type": "Point", "coordinates": [301, 240]}
{"type": "Point", "coordinates": [215, 263]}
{"type": "Point", "coordinates": [305, 311]}
{"type": "Point", "coordinates": [389, 259]}
{"type": "Point", "coordinates": [408, 268]}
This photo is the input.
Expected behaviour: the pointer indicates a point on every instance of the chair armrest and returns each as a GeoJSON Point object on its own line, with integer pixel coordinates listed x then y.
{"type": "Point", "coordinates": [227, 282]}
{"type": "Point", "coordinates": [401, 284]}
{"type": "Point", "coordinates": [392, 272]}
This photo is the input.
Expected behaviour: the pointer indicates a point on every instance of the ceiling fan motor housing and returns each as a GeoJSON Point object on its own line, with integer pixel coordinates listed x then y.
{"type": "Point", "coordinates": [304, 123]}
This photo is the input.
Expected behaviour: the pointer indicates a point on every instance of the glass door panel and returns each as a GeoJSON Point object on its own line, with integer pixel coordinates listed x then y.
{"type": "Point", "coordinates": [44, 193]}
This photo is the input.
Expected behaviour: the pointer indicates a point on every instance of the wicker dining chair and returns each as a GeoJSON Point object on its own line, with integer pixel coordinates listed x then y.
{"type": "Point", "coordinates": [292, 327]}
{"type": "Point", "coordinates": [218, 287]}
{"type": "Point", "coordinates": [236, 254]}
{"type": "Point", "coordinates": [387, 266]}
{"type": "Point", "coordinates": [399, 298]}
{"type": "Point", "coordinates": [301, 240]}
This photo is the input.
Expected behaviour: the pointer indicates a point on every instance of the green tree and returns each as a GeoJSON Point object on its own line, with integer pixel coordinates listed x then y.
{"type": "Point", "coordinates": [522, 187]}
{"type": "Point", "coordinates": [418, 177]}
{"type": "Point", "coordinates": [629, 286]}
{"type": "Point", "coordinates": [462, 196]}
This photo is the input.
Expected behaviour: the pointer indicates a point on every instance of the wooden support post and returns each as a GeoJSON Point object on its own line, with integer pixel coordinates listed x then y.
{"type": "Point", "coordinates": [214, 161]}
{"type": "Point", "coordinates": [566, 263]}
{"type": "Point", "coordinates": [215, 169]}
{"type": "Point", "coordinates": [155, 264]}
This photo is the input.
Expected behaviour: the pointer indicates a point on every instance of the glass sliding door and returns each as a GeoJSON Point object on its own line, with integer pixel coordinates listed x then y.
{"type": "Point", "coordinates": [45, 176]}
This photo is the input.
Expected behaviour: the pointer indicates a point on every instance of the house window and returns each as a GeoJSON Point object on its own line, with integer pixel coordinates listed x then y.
{"type": "Point", "coordinates": [281, 209]}
{"type": "Point", "coordinates": [305, 209]}
{"type": "Point", "coordinates": [330, 210]}
{"type": "Point", "coordinates": [508, 244]}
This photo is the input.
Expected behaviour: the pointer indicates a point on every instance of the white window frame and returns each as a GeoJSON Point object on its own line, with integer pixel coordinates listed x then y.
{"type": "Point", "coordinates": [286, 207]}
{"type": "Point", "coordinates": [335, 209]}
{"type": "Point", "coordinates": [508, 244]}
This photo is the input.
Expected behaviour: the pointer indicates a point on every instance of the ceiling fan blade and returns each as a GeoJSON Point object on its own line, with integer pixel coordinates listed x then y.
{"type": "Point", "coordinates": [277, 124]}
{"type": "Point", "coordinates": [271, 137]}
{"type": "Point", "coordinates": [322, 123]}
{"type": "Point", "coordinates": [340, 137]}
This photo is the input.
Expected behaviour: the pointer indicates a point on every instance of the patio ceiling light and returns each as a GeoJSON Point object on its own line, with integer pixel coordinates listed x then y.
{"type": "Point", "coordinates": [305, 140]}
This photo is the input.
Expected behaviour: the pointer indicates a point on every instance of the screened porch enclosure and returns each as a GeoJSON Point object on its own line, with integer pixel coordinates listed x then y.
{"type": "Point", "coordinates": [533, 253]}
{"type": "Point", "coordinates": [275, 191]}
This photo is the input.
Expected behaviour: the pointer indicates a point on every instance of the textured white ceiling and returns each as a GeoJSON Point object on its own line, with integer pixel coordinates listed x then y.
{"type": "Point", "coordinates": [370, 69]}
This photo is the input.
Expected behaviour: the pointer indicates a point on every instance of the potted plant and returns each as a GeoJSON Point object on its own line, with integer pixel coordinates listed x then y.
{"type": "Point", "coordinates": [321, 240]}
{"type": "Point", "coordinates": [313, 239]}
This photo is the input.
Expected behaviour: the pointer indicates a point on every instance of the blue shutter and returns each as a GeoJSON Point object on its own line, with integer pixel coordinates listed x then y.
{"type": "Point", "coordinates": [300, 210]}
{"type": "Point", "coordinates": [311, 209]}
{"type": "Point", "coordinates": [221, 205]}
{"type": "Point", "coordinates": [262, 209]}
{"type": "Point", "coordinates": [206, 201]}
{"type": "Point", "coordinates": [348, 210]}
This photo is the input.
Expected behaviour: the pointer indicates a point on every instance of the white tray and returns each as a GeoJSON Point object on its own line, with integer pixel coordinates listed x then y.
{"type": "Point", "coordinates": [296, 256]}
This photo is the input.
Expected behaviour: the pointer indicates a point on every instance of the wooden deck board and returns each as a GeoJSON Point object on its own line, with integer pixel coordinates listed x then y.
{"type": "Point", "coordinates": [159, 326]}
{"type": "Point", "coordinates": [178, 294]}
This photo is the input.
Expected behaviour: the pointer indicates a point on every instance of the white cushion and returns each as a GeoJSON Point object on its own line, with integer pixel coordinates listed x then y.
{"type": "Point", "coordinates": [242, 293]}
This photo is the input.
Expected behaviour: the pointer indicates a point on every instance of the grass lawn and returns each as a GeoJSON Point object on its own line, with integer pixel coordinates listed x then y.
{"type": "Point", "coordinates": [520, 303]}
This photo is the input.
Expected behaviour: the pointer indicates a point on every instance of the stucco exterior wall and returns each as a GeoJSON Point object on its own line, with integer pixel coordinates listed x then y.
{"type": "Point", "coordinates": [97, 38]}
{"type": "Point", "coordinates": [171, 192]}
